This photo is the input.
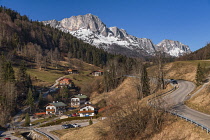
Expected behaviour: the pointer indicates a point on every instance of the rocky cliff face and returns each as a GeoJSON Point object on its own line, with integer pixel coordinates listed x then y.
{"type": "Point", "coordinates": [174, 48]}
{"type": "Point", "coordinates": [92, 30]}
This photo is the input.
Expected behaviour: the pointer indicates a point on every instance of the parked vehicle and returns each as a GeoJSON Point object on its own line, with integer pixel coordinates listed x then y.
{"type": "Point", "coordinates": [66, 126]}
{"type": "Point", "coordinates": [70, 126]}
{"type": "Point", "coordinates": [174, 81]}
{"type": "Point", "coordinates": [76, 125]}
{"type": "Point", "coordinates": [74, 115]}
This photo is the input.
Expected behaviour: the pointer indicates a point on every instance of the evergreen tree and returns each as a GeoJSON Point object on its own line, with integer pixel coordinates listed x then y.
{"type": "Point", "coordinates": [27, 120]}
{"type": "Point", "coordinates": [30, 99]}
{"type": "Point", "coordinates": [64, 92]}
{"type": "Point", "coordinates": [7, 72]}
{"type": "Point", "coordinates": [199, 75]}
{"type": "Point", "coordinates": [40, 98]}
{"type": "Point", "coordinates": [90, 122]}
{"type": "Point", "coordinates": [145, 82]}
{"type": "Point", "coordinates": [22, 75]}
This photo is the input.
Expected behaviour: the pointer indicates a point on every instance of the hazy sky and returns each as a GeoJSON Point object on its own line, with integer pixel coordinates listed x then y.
{"type": "Point", "coordinates": [187, 21]}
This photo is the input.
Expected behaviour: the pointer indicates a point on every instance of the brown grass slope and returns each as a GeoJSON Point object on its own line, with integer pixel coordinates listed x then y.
{"type": "Point", "coordinates": [173, 129]}
{"type": "Point", "coordinates": [185, 70]}
{"type": "Point", "coordinates": [201, 101]}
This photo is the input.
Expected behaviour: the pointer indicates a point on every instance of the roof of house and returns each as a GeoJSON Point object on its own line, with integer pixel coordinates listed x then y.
{"type": "Point", "coordinates": [72, 70]}
{"type": "Point", "coordinates": [65, 79]}
{"type": "Point", "coordinates": [81, 96]}
{"type": "Point", "coordinates": [87, 105]}
{"type": "Point", "coordinates": [58, 104]}
{"type": "Point", "coordinates": [104, 108]}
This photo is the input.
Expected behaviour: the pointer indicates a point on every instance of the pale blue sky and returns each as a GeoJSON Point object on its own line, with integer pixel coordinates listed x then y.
{"type": "Point", "coordinates": [186, 21]}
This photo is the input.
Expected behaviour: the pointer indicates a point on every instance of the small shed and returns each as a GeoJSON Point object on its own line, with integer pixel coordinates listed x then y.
{"type": "Point", "coordinates": [97, 73]}
{"type": "Point", "coordinates": [73, 71]}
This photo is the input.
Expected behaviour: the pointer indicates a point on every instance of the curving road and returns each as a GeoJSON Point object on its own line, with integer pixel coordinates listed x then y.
{"type": "Point", "coordinates": [176, 102]}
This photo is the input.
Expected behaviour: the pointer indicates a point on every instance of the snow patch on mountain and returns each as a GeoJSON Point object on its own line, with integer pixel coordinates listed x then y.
{"type": "Point", "coordinates": [88, 36]}
{"type": "Point", "coordinates": [174, 48]}
{"type": "Point", "coordinates": [92, 30]}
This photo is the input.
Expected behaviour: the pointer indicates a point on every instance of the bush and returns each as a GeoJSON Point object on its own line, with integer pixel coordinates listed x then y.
{"type": "Point", "coordinates": [90, 122]}
{"type": "Point", "coordinates": [55, 122]}
{"type": "Point", "coordinates": [138, 121]}
{"type": "Point", "coordinates": [27, 120]}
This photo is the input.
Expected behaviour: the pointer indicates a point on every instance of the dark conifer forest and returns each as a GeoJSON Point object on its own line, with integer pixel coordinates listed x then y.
{"type": "Point", "coordinates": [23, 40]}
{"type": "Point", "coordinates": [20, 36]}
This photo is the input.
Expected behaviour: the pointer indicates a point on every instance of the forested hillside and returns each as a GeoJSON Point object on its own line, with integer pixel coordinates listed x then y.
{"type": "Point", "coordinates": [201, 54]}
{"type": "Point", "coordinates": [20, 36]}
{"type": "Point", "coordinates": [30, 44]}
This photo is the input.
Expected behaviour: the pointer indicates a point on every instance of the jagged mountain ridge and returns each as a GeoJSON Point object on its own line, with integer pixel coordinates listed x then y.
{"type": "Point", "coordinates": [92, 30]}
{"type": "Point", "coordinates": [174, 48]}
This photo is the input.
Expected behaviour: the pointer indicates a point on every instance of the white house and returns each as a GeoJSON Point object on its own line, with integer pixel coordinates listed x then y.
{"type": "Point", "coordinates": [86, 111]}
{"type": "Point", "coordinates": [55, 108]}
{"type": "Point", "coordinates": [77, 100]}
{"type": "Point", "coordinates": [97, 73]}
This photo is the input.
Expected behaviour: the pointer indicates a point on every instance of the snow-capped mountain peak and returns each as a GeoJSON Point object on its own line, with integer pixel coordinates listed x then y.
{"type": "Point", "coordinates": [92, 30]}
{"type": "Point", "coordinates": [174, 48]}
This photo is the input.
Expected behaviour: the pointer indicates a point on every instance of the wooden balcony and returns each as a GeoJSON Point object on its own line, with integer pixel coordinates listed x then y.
{"type": "Point", "coordinates": [50, 110]}
{"type": "Point", "coordinates": [88, 111]}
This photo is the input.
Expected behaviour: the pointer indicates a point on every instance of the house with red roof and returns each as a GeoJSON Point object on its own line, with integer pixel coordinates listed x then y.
{"type": "Point", "coordinates": [66, 82]}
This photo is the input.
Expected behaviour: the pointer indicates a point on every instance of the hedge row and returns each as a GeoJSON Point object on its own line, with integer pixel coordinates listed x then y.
{"type": "Point", "coordinates": [59, 121]}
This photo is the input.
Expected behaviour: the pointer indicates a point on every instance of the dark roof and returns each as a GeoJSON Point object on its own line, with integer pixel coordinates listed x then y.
{"type": "Point", "coordinates": [58, 104]}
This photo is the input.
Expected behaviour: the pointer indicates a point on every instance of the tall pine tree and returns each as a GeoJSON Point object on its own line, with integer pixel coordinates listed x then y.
{"type": "Point", "coordinates": [30, 99]}
{"type": "Point", "coordinates": [145, 82]}
{"type": "Point", "coordinates": [27, 120]}
{"type": "Point", "coordinates": [199, 75]}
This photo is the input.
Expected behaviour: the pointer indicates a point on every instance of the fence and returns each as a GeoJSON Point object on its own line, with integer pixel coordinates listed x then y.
{"type": "Point", "coordinates": [191, 121]}
{"type": "Point", "coordinates": [50, 138]}
{"type": "Point", "coordinates": [178, 115]}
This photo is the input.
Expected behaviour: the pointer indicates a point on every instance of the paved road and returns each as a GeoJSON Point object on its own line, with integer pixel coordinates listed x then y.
{"type": "Point", "coordinates": [47, 129]}
{"type": "Point", "coordinates": [7, 134]}
{"type": "Point", "coordinates": [176, 100]}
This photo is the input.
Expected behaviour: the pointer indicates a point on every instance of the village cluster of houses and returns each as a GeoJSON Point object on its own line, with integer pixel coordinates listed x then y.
{"type": "Point", "coordinates": [58, 108]}
{"type": "Point", "coordinates": [77, 101]}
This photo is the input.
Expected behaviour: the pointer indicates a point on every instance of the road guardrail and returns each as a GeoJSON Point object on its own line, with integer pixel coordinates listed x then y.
{"type": "Point", "coordinates": [191, 121]}
{"type": "Point", "coordinates": [49, 137]}
{"type": "Point", "coordinates": [179, 115]}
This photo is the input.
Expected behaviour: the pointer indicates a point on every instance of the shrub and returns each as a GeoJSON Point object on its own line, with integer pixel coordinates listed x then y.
{"type": "Point", "coordinates": [90, 122]}
{"type": "Point", "coordinates": [137, 121]}
{"type": "Point", "coordinates": [55, 122]}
